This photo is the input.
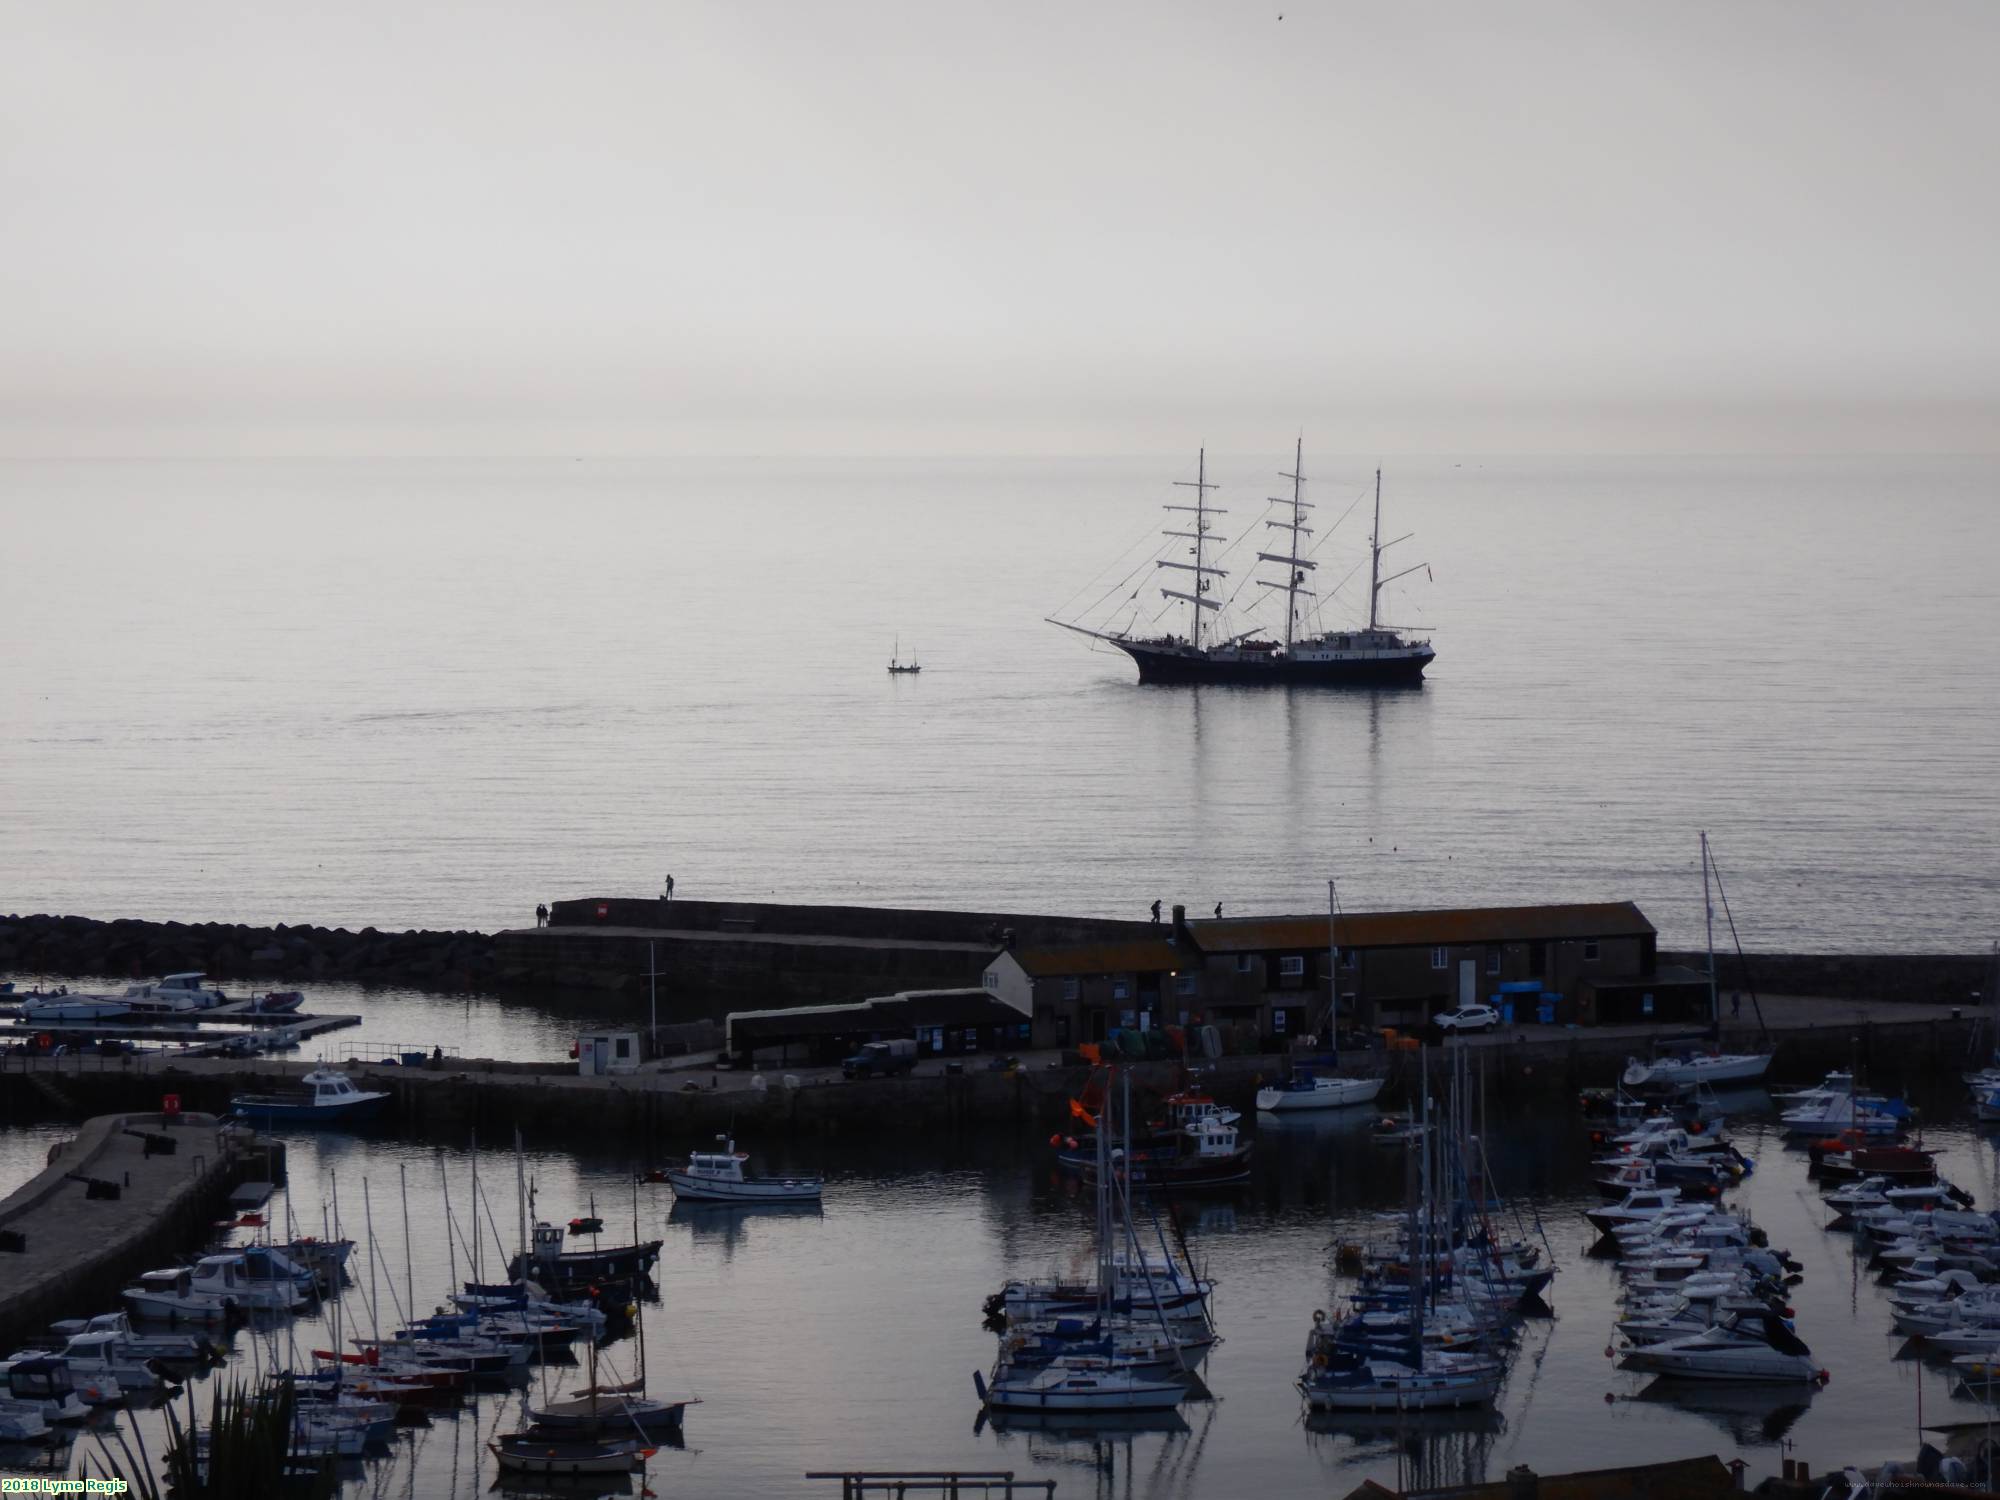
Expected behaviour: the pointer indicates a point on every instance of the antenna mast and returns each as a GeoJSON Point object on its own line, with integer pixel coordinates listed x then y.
{"type": "Point", "coordinates": [1198, 600]}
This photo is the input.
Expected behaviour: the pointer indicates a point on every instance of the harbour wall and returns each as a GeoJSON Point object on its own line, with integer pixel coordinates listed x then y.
{"type": "Point", "coordinates": [713, 957]}
{"type": "Point", "coordinates": [45, 944]}
{"type": "Point", "coordinates": [80, 1251]}
{"type": "Point", "coordinates": [665, 1111]}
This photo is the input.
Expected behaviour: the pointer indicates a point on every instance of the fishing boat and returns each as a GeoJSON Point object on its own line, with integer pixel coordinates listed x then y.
{"type": "Point", "coordinates": [719, 1177]}
{"type": "Point", "coordinates": [1215, 1157]}
{"type": "Point", "coordinates": [168, 1296]}
{"type": "Point", "coordinates": [323, 1097]}
{"type": "Point", "coordinates": [561, 1455]}
{"type": "Point", "coordinates": [1376, 654]}
{"type": "Point", "coordinates": [549, 1265]}
{"type": "Point", "coordinates": [899, 667]}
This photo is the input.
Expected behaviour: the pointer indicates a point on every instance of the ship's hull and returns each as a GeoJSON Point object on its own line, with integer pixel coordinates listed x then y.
{"type": "Point", "coordinates": [1170, 664]}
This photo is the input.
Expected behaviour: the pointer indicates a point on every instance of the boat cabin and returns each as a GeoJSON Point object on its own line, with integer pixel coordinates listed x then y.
{"type": "Point", "coordinates": [40, 1379]}
{"type": "Point", "coordinates": [725, 1165]}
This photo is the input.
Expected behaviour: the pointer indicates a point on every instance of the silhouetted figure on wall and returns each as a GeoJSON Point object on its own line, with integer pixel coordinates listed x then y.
{"type": "Point", "coordinates": [1156, 913]}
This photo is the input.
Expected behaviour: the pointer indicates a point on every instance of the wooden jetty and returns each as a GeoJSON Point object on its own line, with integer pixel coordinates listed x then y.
{"type": "Point", "coordinates": [126, 1193]}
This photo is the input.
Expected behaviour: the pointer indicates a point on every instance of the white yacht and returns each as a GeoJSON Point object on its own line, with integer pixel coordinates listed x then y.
{"type": "Point", "coordinates": [1741, 1346]}
{"type": "Point", "coordinates": [1080, 1384]}
{"type": "Point", "coordinates": [169, 1296]}
{"type": "Point", "coordinates": [1307, 1089]}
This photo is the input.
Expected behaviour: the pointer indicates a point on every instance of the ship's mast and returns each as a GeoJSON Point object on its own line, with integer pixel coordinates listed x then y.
{"type": "Point", "coordinates": [1197, 602]}
{"type": "Point", "coordinates": [1376, 547]}
{"type": "Point", "coordinates": [1375, 553]}
{"type": "Point", "coordinates": [1295, 566]}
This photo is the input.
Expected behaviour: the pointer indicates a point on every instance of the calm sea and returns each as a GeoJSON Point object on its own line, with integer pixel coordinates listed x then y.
{"type": "Point", "coordinates": [434, 694]}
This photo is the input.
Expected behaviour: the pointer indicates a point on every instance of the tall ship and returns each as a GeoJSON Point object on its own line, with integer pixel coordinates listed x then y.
{"type": "Point", "coordinates": [1306, 651]}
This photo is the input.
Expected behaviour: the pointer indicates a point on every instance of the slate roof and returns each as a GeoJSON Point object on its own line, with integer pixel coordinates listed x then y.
{"type": "Point", "coordinates": [1424, 929]}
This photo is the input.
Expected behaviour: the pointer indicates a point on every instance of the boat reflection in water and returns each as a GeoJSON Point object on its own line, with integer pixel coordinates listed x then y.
{"type": "Point", "coordinates": [1755, 1416]}
{"type": "Point", "coordinates": [576, 1487]}
{"type": "Point", "coordinates": [726, 1223]}
{"type": "Point", "coordinates": [1429, 1448]}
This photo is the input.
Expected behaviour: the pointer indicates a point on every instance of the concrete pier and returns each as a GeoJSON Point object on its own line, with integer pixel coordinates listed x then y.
{"type": "Point", "coordinates": [664, 1111]}
{"type": "Point", "coordinates": [78, 1250]}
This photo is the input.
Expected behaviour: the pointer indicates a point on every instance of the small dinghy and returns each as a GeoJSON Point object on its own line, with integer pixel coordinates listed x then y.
{"type": "Point", "coordinates": [553, 1455]}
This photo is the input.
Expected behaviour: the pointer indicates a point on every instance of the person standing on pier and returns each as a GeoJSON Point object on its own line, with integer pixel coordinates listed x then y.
{"type": "Point", "coordinates": [668, 893]}
{"type": "Point", "coordinates": [1156, 913]}
{"type": "Point", "coordinates": [541, 915]}
{"type": "Point", "coordinates": [1218, 910]}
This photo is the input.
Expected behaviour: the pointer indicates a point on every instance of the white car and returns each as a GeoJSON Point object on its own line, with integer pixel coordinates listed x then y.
{"type": "Point", "coordinates": [1468, 1018]}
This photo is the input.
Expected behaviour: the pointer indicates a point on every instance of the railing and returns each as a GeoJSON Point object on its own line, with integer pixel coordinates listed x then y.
{"type": "Point", "coordinates": [859, 1484]}
{"type": "Point", "coordinates": [385, 1054]}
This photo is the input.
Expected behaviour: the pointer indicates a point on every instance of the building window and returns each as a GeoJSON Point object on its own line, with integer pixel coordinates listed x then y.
{"type": "Point", "coordinates": [1292, 967]}
{"type": "Point", "coordinates": [990, 979]}
{"type": "Point", "coordinates": [1243, 962]}
{"type": "Point", "coordinates": [624, 1047]}
{"type": "Point", "coordinates": [1440, 958]}
{"type": "Point", "coordinates": [1072, 988]}
{"type": "Point", "coordinates": [1120, 990]}
{"type": "Point", "coordinates": [1185, 984]}
{"type": "Point", "coordinates": [1278, 1022]}
{"type": "Point", "coordinates": [1590, 950]}
{"type": "Point", "coordinates": [1493, 958]}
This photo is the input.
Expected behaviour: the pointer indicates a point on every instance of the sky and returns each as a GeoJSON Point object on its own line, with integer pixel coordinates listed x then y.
{"type": "Point", "coordinates": [654, 227]}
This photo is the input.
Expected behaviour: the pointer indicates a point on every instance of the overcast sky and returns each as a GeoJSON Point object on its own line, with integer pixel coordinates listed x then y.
{"type": "Point", "coordinates": [661, 227]}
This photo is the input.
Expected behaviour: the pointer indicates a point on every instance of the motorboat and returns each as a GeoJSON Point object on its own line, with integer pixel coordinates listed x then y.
{"type": "Point", "coordinates": [175, 995]}
{"type": "Point", "coordinates": [1976, 1308]}
{"type": "Point", "coordinates": [62, 1006]}
{"type": "Point", "coordinates": [44, 1382]}
{"type": "Point", "coordinates": [96, 1358]}
{"type": "Point", "coordinates": [1637, 1207]}
{"type": "Point", "coordinates": [22, 1421]}
{"type": "Point", "coordinates": [174, 1349]}
{"type": "Point", "coordinates": [1838, 1112]}
{"type": "Point", "coordinates": [1852, 1154]}
{"type": "Point", "coordinates": [1710, 1068]}
{"type": "Point", "coordinates": [1310, 1089]}
{"type": "Point", "coordinates": [169, 1296]}
{"type": "Point", "coordinates": [323, 1097]}
{"type": "Point", "coordinates": [1740, 1346]}
{"type": "Point", "coordinates": [254, 1277]}
{"type": "Point", "coordinates": [719, 1177]}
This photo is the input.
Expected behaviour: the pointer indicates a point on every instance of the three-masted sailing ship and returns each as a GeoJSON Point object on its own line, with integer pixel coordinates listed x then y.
{"type": "Point", "coordinates": [1375, 654]}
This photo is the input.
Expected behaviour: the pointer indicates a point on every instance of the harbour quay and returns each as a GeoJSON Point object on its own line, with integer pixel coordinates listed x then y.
{"type": "Point", "coordinates": [129, 1191]}
{"type": "Point", "coordinates": [676, 1098]}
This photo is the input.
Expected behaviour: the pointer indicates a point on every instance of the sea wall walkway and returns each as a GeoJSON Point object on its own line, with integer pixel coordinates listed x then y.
{"type": "Point", "coordinates": [75, 1250]}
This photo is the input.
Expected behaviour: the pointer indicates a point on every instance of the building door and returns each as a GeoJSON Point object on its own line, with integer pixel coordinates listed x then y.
{"type": "Point", "coordinates": [1468, 981]}
{"type": "Point", "coordinates": [1097, 1026]}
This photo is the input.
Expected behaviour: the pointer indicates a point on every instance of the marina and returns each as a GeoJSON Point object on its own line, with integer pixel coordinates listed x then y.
{"type": "Point", "coordinates": [995, 1207]}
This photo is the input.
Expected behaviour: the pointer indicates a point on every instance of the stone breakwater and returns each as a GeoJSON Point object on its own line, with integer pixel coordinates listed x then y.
{"type": "Point", "coordinates": [63, 945]}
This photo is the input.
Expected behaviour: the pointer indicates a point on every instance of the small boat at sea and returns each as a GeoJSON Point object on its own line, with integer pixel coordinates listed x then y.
{"type": "Point", "coordinates": [323, 1097]}
{"type": "Point", "coordinates": [1080, 1384]}
{"type": "Point", "coordinates": [719, 1177]}
{"type": "Point", "coordinates": [899, 667]}
{"type": "Point", "coordinates": [1309, 1089]}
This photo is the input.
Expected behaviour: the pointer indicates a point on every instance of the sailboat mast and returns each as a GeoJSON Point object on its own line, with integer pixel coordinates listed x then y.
{"type": "Point", "coordinates": [1332, 966]}
{"type": "Point", "coordinates": [1375, 553]}
{"type": "Point", "coordinates": [1708, 919]}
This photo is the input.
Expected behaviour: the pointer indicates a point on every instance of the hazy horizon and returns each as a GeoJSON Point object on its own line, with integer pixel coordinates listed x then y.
{"type": "Point", "coordinates": [625, 229]}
